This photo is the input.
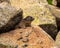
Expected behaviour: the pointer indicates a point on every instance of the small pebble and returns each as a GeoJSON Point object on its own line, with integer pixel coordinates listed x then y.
{"type": "Point", "coordinates": [41, 42]}
{"type": "Point", "coordinates": [27, 34]}
{"type": "Point", "coordinates": [25, 45]}
{"type": "Point", "coordinates": [25, 40]}
{"type": "Point", "coordinates": [21, 32]}
{"type": "Point", "coordinates": [16, 46]}
{"type": "Point", "coordinates": [20, 38]}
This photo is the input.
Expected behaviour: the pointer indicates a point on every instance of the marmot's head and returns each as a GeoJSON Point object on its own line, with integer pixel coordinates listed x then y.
{"type": "Point", "coordinates": [29, 18]}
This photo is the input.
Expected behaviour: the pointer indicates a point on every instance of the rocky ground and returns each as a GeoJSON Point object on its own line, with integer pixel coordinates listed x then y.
{"type": "Point", "coordinates": [29, 24]}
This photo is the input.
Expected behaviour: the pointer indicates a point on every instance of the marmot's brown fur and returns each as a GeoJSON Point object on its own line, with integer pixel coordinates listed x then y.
{"type": "Point", "coordinates": [25, 22]}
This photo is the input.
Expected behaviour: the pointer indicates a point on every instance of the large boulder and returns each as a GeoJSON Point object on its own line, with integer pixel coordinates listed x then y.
{"type": "Point", "coordinates": [9, 17]}
{"type": "Point", "coordinates": [41, 13]}
{"type": "Point", "coordinates": [18, 3]}
{"type": "Point", "coordinates": [30, 37]}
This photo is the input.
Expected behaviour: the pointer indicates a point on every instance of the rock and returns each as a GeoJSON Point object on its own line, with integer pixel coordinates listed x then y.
{"type": "Point", "coordinates": [9, 17]}
{"type": "Point", "coordinates": [39, 11]}
{"type": "Point", "coordinates": [56, 12]}
{"type": "Point", "coordinates": [21, 3]}
{"type": "Point", "coordinates": [4, 46]}
{"type": "Point", "coordinates": [50, 29]}
{"type": "Point", "coordinates": [57, 42]}
{"type": "Point", "coordinates": [37, 38]}
{"type": "Point", "coordinates": [8, 1]}
{"type": "Point", "coordinates": [43, 1]}
{"type": "Point", "coordinates": [54, 2]}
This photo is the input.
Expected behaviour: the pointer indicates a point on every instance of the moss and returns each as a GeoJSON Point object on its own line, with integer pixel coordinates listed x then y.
{"type": "Point", "coordinates": [49, 2]}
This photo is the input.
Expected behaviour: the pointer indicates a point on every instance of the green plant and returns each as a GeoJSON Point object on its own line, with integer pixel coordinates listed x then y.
{"type": "Point", "coordinates": [49, 2]}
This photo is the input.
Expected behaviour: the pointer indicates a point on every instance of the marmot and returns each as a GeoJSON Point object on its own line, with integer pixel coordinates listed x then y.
{"type": "Point", "coordinates": [25, 22]}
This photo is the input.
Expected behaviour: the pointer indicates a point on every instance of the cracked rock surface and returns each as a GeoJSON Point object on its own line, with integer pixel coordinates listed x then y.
{"type": "Point", "coordinates": [30, 37]}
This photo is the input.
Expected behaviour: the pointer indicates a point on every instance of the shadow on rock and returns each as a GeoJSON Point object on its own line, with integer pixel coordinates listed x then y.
{"type": "Point", "coordinates": [50, 29]}
{"type": "Point", "coordinates": [58, 23]}
{"type": "Point", "coordinates": [58, 3]}
{"type": "Point", "coordinates": [12, 23]}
